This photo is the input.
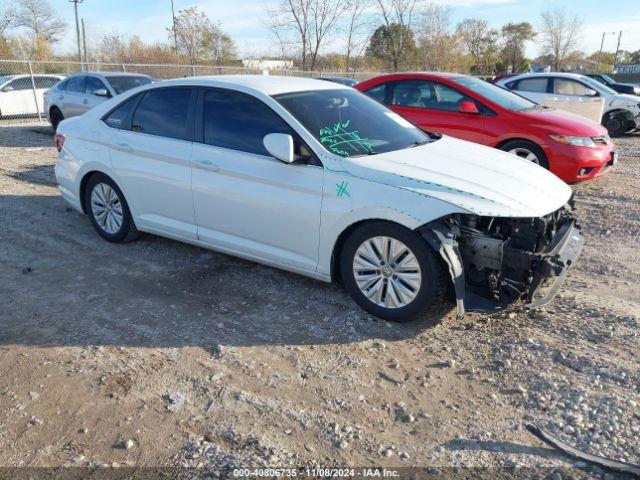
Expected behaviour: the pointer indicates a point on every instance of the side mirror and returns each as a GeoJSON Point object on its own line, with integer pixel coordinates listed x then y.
{"type": "Point", "coordinates": [8, 88]}
{"type": "Point", "coordinates": [590, 93]}
{"type": "Point", "coordinates": [102, 92]}
{"type": "Point", "coordinates": [280, 145]}
{"type": "Point", "coordinates": [468, 107]}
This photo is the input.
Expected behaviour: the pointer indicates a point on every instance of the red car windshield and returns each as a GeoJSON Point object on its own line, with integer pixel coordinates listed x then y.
{"type": "Point", "coordinates": [495, 94]}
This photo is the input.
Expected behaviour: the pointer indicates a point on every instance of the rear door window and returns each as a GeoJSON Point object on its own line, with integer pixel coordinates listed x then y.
{"type": "Point", "coordinates": [239, 121]}
{"type": "Point", "coordinates": [76, 84]}
{"type": "Point", "coordinates": [538, 85]}
{"type": "Point", "coordinates": [45, 82]}
{"type": "Point", "coordinates": [427, 94]}
{"type": "Point", "coordinates": [164, 112]}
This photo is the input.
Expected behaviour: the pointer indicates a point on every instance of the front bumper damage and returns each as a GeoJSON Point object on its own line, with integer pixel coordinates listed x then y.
{"type": "Point", "coordinates": [496, 262]}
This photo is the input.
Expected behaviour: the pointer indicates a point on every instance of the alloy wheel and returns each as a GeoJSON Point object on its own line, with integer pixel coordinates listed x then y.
{"type": "Point", "coordinates": [526, 154]}
{"type": "Point", "coordinates": [107, 208]}
{"type": "Point", "coordinates": [387, 272]}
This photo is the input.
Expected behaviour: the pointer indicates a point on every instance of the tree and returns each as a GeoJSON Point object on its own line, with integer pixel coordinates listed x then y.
{"type": "Point", "coordinates": [354, 11]}
{"type": "Point", "coordinates": [514, 37]}
{"type": "Point", "coordinates": [310, 22]}
{"type": "Point", "coordinates": [439, 47]}
{"type": "Point", "coordinates": [399, 17]}
{"type": "Point", "coordinates": [199, 39]}
{"type": "Point", "coordinates": [384, 41]}
{"type": "Point", "coordinates": [479, 40]}
{"type": "Point", "coordinates": [7, 19]}
{"type": "Point", "coordinates": [560, 34]}
{"type": "Point", "coordinates": [37, 17]}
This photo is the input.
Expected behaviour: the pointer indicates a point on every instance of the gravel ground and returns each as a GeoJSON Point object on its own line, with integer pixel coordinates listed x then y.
{"type": "Point", "coordinates": [158, 353]}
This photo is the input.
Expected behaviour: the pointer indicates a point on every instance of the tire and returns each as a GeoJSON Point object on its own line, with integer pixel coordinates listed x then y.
{"type": "Point", "coordinates": [56, 117]}
{"type": "Point", "coordinates": [527, 150]}
{"type": "Point", "coordinates": [431, 273]}
{"type": "Point", "coordinates": [116, 223]}
{"type": "Point", "coordinates": [615, 123]}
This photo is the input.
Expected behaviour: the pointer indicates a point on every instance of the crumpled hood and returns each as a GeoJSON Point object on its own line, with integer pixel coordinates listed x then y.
{"type": "Point", "coordinates": [476, 178]}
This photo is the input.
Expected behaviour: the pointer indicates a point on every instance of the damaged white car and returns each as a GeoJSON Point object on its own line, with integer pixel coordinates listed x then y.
{"type": "Point", "coordinates": [319, 179]}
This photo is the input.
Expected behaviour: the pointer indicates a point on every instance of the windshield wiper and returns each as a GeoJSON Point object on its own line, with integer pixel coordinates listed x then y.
{"type": "Point", "coordinates": [417, 144]}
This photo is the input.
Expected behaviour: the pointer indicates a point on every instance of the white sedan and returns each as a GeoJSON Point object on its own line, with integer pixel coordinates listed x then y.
{"type": "Point", "coordinates": [319, 179]}
{"type": "Point", "coordinates": [19, 93]}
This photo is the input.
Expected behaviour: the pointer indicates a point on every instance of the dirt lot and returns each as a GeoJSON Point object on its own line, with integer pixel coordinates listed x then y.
{"type": "Point", "coordinates": [157, 353]}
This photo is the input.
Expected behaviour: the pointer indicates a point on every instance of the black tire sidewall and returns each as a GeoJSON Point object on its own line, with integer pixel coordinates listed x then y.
{"type": "Point", "coordinates": [430, 288]}
{"type": "Point", "coordinates": [622, 125]}
{"type": "Point", "coordinates": [127, 221]}
{"type": "Point", "coordinates": [542, 158]}
{"type": "Point", "coordinates": [56, 117]}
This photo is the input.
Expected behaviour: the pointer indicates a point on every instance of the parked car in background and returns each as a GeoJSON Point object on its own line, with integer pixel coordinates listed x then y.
{"type": "Point", "coordinates": [621, 111]}
{"type": "Point", "coordinates": [17, 93]}
{"type": "Point", "coordinates": [572, 147]}
{"type": "Point", "coordinates": [81, 92]}
{"type": "Point", "coordinates": [316, 178]}
{"type": "Point", "coordinates": [630, 88]}
{"type": "Point", "coordinates": [349, 82]}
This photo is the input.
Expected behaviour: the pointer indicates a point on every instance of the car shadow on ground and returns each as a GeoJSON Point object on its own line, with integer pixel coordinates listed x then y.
{"type": "Point", "coordinates": [64, 286]}
{"type": "Point", "coordinates": [22, 136]}
{"type": "Point", "coordinates": [35, 174]}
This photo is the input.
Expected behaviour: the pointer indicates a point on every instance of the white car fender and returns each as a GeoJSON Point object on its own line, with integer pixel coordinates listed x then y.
{"type": "Point", "coordinates": [348, 200]}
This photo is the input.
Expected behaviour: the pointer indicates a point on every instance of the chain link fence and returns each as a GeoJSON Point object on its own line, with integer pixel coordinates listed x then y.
{"type": "Point", "coordinates": [23, 83]}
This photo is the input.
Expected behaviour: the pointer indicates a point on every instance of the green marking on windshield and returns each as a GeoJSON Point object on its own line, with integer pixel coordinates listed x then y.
{"type": "Point", "coordinates": [339, 139]}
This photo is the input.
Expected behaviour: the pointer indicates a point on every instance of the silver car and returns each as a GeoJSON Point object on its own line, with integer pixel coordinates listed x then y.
{"type": "Point", "coordinates": [81, 92]}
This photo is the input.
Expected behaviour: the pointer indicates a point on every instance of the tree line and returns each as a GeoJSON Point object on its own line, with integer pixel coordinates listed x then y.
{"type": "Point", "coordinates": [341, 35]}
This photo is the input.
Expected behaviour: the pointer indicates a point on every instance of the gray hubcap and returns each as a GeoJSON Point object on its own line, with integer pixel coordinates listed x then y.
{"type": "Point", "coordinates": [387, 272]}
{"type": "Point", "coordinates": [106, 208]}
{"type": "Point", "coordinates": [526, 154]}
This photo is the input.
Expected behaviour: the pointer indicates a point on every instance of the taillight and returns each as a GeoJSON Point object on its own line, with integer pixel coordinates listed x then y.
{"type": "Point", "coordinates": [59, 141]}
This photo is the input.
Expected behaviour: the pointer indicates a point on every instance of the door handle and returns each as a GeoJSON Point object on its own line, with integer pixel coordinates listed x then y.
{"type": "Point", "coordinates": [60, 97]}
{"type": "Point", "coordinates": [123, 147]}
{"type": "Point", "coordinates": [208, 164]}
{"type": "Point", "coordinates": [85, 101]}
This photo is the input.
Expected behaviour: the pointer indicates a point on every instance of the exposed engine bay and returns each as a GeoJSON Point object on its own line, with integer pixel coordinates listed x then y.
{"type": "Point", "coordinates": [496, 261]}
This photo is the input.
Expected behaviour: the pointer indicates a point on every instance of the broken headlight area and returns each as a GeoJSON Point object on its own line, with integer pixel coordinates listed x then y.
{"type": "Point", "coordinates": [496, 261]}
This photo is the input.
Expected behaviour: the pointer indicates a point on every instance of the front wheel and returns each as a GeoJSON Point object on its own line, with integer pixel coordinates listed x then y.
{"type": "Point", "coordinates": [528, 151]}
{"type": "Point", "coordinates": [616, 123]}
{"type": "Point", "coordinates": [392, 272]}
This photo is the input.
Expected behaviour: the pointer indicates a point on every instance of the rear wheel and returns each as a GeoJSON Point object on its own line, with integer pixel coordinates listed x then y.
{"type": "Point", "coordinates": [527, 150]}
{"type": "Point", "coordinates": [108, 210]}
{"type": "Point", "coordinates": [392, 272]}
{"type": "Point", "coordinates": [56, 117]}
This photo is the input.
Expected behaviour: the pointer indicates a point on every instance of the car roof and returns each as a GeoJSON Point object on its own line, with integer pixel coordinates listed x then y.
{"type": "Point", "coordinates": [110, 74]}
{"type": "Point", "coordinates": [269, 85]}
{"type": "Point", "coordinates": [575, 76]}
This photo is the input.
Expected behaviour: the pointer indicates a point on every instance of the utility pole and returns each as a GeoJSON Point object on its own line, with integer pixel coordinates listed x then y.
{"type": "Point", "coordinates": [75, 7]}
{"type": "Point", "coordinates": [615, 58]}
{"type": "Point", "coordinates": [84, 45]}
{"type": "Point", "coordinates": [175, 32]}
{"type": "Point", "coordinates": [601, 47]}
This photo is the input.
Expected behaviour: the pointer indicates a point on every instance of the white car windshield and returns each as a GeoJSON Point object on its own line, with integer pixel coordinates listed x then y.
{"type": "Point", "coordinates": [597, 86]}
{"type": "Point", "coordinates": [495, 94]}
{"type": "Point", "coordinates": [350, 124]}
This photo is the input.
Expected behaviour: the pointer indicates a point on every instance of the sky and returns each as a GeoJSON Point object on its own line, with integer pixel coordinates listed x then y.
{"type": "Point", "coordinates": [244, 20]}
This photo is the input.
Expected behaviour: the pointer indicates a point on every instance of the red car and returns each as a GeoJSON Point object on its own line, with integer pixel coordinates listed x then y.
{"type": "Point", "coordinates": [571, 146]}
